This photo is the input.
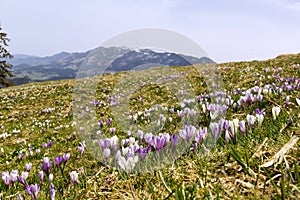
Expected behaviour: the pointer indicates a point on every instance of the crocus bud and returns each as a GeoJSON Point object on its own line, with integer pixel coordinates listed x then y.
{"type": "Point", "coordinates": [243, 127]}
{"type": "Point", "coordinates": [28, 166]}
{"type": "Point", "coordinates": [50, 178]}
{"type": "Point", "coordinates": [275, 112]}
{"type": "Point", "coordinates": [287, 100]}
{"type": "Point", "coordinates": [41, 176]}
{"type": "Point", "coordinates": [74, 177]}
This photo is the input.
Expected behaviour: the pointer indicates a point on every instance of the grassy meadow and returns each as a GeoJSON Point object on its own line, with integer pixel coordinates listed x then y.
{"type": "Point", "coordinates": [256, 154]}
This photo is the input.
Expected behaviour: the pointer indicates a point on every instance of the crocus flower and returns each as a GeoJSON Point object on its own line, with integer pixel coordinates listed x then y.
{"type": "Point", "coordinates": [243, 127]}
{"type": "Point", "coordinates": [21, 155]}
{"type": "Point", "coordinates": [41, 176]}
{"type": "Point", "coordinates": [14, 175]}
{"type": "Point", "coordinates": [227, 136]}
{"type": "Point", "coordinates": [231, 128]}
{"type": "Point", "coordinates": [159, 142]}
{"type": "Point", "coordinates": [20, 197]}
{"type": "Point", "coordinates": [100, 123]}
{"type": "Point", "coordinates": [22, 180]}
{"type": "Point", "coordinates": [148, 137]}
{"type": "Point", "coordinates": [50, 178]}
{"type": "Point", "coordinates": [47, 164]}
{"type": "Point", "coordinates": [52, 192]}
{"type": "Point", "coordinates": [112, 130]}
{"type": "Point", "coordinates": [58, 160]}
{"type": "Point", "coordinates": [140, 136]}
{"type": "Point", "coordinates": [287, 100]}
{"type": "Point", "coordinates": [33, 190]}
{"type": "Point", "coordinates": [106, 153]}
{"type": "Point", "coordinates": [50, 144]}
{"type": "Point", "coordinates": [214, 127]}
{"type": "Point", "coordinates": [109, 121]}
{"type": "Point", "coordinates": [260, 98]}
{"type": "Point", "coordinates": [174, 140]}
{"type": "Point", "coordinates": [260, 119]}
{"type": "Point", "coordinates": [142, 152]}
{"type": "Point", "coordinates": [251, 120]}
{"type": "Point", "coordinates": [28, 166]}
{"type": "Point", "coordinates": [129, 164]}
{"type": "Point", "coordinates": [24, 175]}
{"type": "Point", "coordinates": [74, 177]}
{"type": "Point", "coordinates": [6, 178]}
{"type": "Point", "coordinates": [37, 151]}
{"type": "Point", "coordinates": [236, 124]}
{"type": "Point", "coordinates": [275, 112]}
{"type": "Point", "coordinates": [187, 133]}
{"type": "Point", "coordinates": [201, 133]}
{"type": "Point", "coordinates": [66, 157]}
{"type": "Point", "coordinates": [81, 147]}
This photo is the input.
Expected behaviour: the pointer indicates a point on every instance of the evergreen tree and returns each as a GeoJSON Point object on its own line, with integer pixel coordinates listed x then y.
{"type": "Point", "coordinates": [5, 67]}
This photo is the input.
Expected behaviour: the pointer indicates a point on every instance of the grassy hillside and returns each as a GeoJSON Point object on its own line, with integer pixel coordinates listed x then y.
{"type": "Point", "coordinates": [262, 161]}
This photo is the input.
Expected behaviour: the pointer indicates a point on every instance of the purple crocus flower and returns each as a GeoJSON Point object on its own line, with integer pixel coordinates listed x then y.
{"type": "Point", "coordinates": [109, 121]}
{"type": "Point", "coordinates": [44, 145]}
{"type": "Point", "coordinates": [214, 127]}
{"type": "Point", "coordinates": [28, 166]}
{"type": "Point", "coordinates": [287, 100]}
{"type": "Point", "coordinates": [101, 144]}
{"type": "Point", "coordinates": [112, 130]}
{"type": "Point", "coordinates": [41, 176]}
{"type": "Point", "coordinates": [260, 98]}
{"type": "Point", "coordinates": [100, 123]}
{"type": "Point", "coordinates": [81, 147]}
{"type": "Point", "coordinates": [201, 133]}
{"type": "Point", "coordinates": [107, 143]}
{"type": "Point", "coordinates": [52, 192]}
{"type": "Point", "coordinates": [47, 164]}
{"type": "Point", "coordinates": [21, 155]}
{"type": "Point", "coordinates": [66, 157]}
{"type": "Point", "coordinates": [251, 120]}
{"type": "Point", "coordinates": [174, 140]}
{"type": "Point", "coordinates": [74, 177]}
{"type": "Point", "coordinates": [20, 197]}
{"type": "Point", "coordinates": [187, 133]}
{"type": "Point", "coordinates": [159, 142]}
{"type": "Point", "coordinates": [50, 144]}
{"type": "Point", "coordinates": [58, 160]}
{"type": "Point", "coordinates": [140, 136]}
{"type": "Point", "coordinates": [106, 153]}
{"type": "Point", "coordinates": [33, 190]}
{"type": "Point", "coordinates": [22, 180]}
{"type": "Point", "coordinates": [243, 127]}
{"type": "Point", "coordinates": [142, 152]}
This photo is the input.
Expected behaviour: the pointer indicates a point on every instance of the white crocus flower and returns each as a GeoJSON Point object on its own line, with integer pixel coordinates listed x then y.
{"type": "Point", "coordinates": [260, 119]}
{"type": "Point", "coordinates": [275, 112]}
{"type": "Point", "coordinates": [236, 124]}
{"type": "Point", "coordinates": [129, 164]}
{"type": "Point", "coordinates": [24, 175]}
{"type": "Point", "coordinates": [114, 140]}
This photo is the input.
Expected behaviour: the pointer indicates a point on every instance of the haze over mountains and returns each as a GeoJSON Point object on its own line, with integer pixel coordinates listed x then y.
{"type": "Point", "coordinates": [65, 65]}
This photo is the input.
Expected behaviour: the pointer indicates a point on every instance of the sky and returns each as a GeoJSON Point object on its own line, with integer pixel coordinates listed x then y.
{"type": "Point", "coordinates": [228, 30]}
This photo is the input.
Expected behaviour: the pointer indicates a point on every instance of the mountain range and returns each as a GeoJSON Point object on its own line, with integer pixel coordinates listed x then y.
{"type": "Point", "coordinates": [64, 65]}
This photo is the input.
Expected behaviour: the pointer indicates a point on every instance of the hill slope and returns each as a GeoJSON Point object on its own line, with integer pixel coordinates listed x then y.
{"type": "Point", "coordinates": [37, 122]}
